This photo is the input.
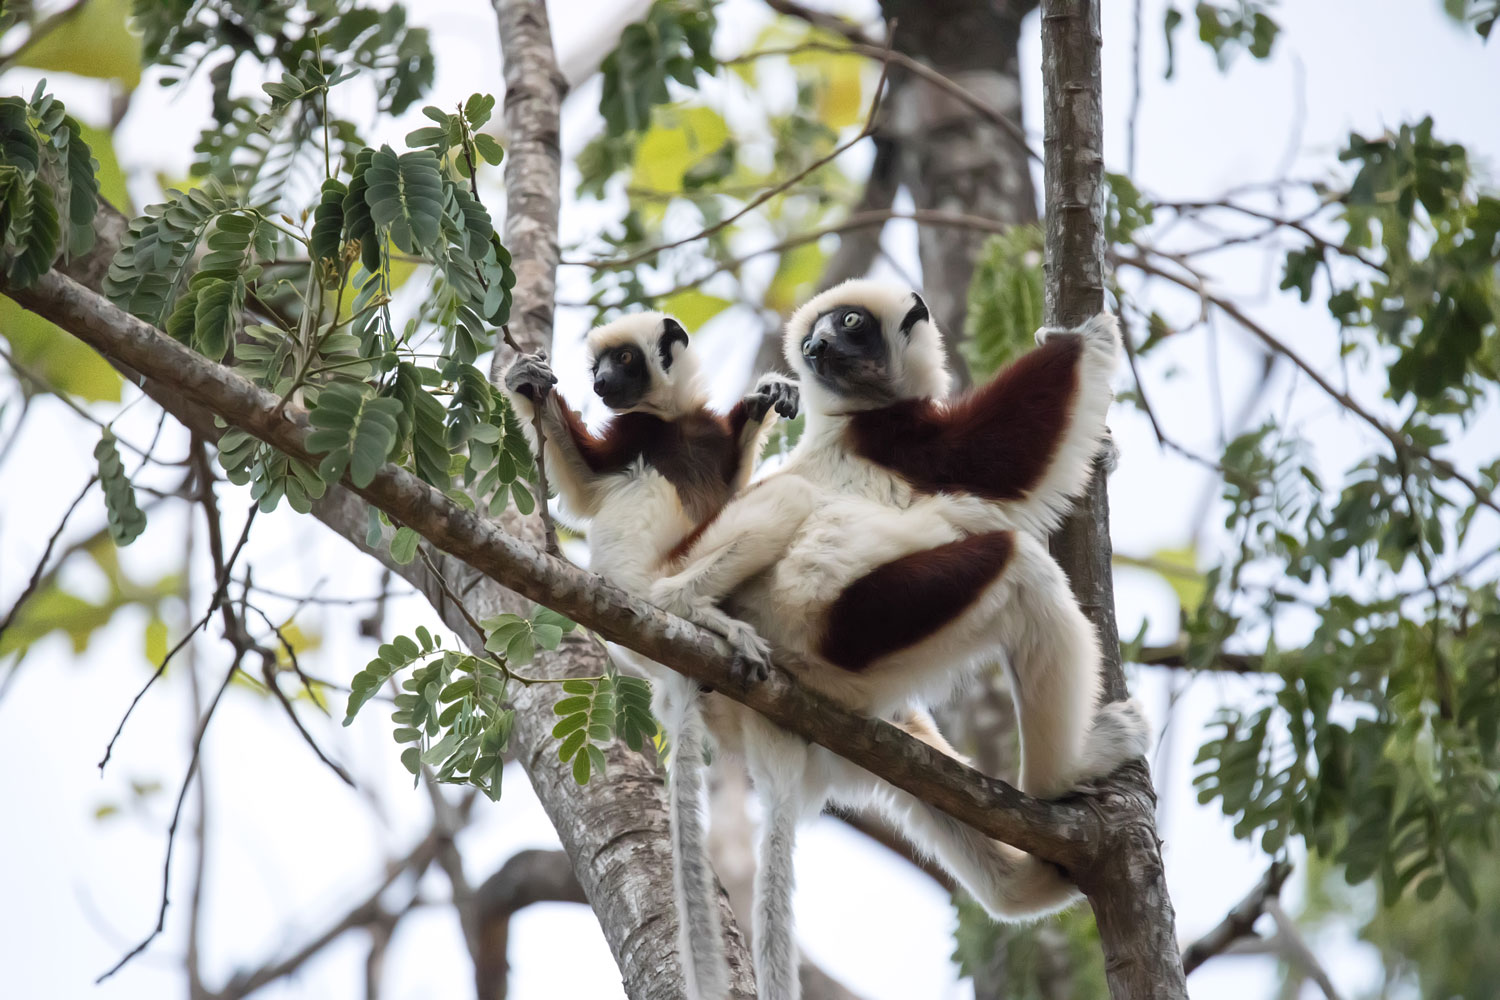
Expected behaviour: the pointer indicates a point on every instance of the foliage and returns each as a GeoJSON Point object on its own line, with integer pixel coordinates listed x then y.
{"type": "Point", "coordinates": [126, 521]}
{"type": "Point", "coordinates": [1018, 961]}
{"type": "Point", "coordinates": [453, 709]}
{"type": "Point", "coordinates": [48, 187]}
{"type": "Point", "coordinates": [675, 42]}
{"type": "Point", "coordinates": [1227, 28]}
{"type": "Point", "coordinates": [1377, 743]}
{"type": "Point", "coordinates": [689, 167]}
{"type": "Point", "coordinates": [1006, 301]}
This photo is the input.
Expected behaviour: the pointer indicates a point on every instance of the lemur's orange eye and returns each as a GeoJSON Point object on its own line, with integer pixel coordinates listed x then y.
{"type": "Point", "coordinates": [626, 357]}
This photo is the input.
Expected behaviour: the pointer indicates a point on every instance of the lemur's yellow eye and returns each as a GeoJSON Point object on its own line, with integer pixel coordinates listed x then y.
{"type": "Point", "coordinates": [852, 319]}
{"type": "Point", "coordinates": [626, 357]}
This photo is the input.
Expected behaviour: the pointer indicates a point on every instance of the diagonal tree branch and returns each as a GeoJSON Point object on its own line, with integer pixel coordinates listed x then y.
{"type": "Point", "coordinates": [1239, 922]}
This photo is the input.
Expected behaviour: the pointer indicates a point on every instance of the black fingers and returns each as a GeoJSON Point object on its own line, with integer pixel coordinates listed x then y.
{"type": "Point", "coordinates": [788, 399]}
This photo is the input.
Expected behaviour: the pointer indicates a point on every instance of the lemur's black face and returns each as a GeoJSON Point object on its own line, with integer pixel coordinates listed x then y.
{"type": "Point", "coordinates": [846, 350]}
{"type": "Point", "coordinates": [621, 376]}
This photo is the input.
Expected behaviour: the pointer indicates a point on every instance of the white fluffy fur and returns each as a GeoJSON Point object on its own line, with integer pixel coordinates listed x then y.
{"type": "Point", "coordinates": [919, 365]}
{"type": "Point", "coordinates": [673, 392]}
{"type": "Point", "coordinates": [785, 551]}
{"type": "Point", "coordinates": [634, 519]}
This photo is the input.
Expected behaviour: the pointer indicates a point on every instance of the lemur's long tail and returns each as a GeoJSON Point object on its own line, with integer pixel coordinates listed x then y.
{"type": "Point", "coordinates": [701, 932]}
{"type": "Point", "coordinates": [778, 765]}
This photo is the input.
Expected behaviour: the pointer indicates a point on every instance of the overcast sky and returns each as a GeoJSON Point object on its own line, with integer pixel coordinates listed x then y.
{"type": "Point", "coordinates": [291, 848]}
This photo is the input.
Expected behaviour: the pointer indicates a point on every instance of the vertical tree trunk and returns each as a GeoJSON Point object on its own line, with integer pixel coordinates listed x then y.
{"type": "Point", "coordinates": [951, 157]}
{"type": "Point", "coordinates": [1127, 888]}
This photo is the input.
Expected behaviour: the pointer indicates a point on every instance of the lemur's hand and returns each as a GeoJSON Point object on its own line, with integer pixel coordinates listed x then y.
{"type": "Point", "coordinates": [776, 391]}
{"type": "Point", "coordinates": [530, 376]}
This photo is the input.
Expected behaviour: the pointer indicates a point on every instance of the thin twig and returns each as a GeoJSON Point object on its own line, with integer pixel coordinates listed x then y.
{"type": "Point", "coordinates": [930, 217]}
{"type": "Point", "coordinates": [946, 84]}
{"type": "Point", "coordinates": [768, 193]}
{"type": "Point", "coordinates": [268, 671]}
{"type": "Point", "coordinates": [218, 598]}
{"type": "Point", "coordinates": [32, 375]}
{"type": "Point", "coordinates": [819, 19]}
{"type": "Point", "coordinates": [1398, 441]}
{"type": "Point", "coordinates": [166, 873]}
{"type": "Point", "coordinates": [1239, 922]}
{"type": "Point", "coordinates": [41, 564]}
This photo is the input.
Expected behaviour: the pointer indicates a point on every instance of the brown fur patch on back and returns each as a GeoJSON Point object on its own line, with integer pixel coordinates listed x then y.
{"type": "Point", "coordinates": [996, 442]}
{"type": "Point", "coordinates": [904, 601]}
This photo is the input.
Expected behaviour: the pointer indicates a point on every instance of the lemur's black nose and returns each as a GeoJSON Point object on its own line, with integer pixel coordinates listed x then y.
{"type": "Point", "coordinates": [815, 347]}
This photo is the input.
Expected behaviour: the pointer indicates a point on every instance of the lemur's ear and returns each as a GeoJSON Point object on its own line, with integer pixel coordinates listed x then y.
{"type": "Point", "coordinates": [916, 314]}
{"type": "Point", "coordinates": [672, 333]}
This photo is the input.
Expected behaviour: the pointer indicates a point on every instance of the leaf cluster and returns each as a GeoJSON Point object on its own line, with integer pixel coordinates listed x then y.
{"type": "Point", "coordinates": [48, 187]}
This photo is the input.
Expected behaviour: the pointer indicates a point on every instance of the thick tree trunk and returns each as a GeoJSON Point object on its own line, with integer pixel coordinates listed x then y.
{"type": "Point", "coordinates": [951, 157]}
{"type": "Point", "coordinates": [1126, 885]}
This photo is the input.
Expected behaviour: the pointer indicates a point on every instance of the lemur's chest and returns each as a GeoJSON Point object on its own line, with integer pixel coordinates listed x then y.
{"type": "Point", "coordinates": [696, 456]}
{"type": "Point", "coordinates": [829, 462]}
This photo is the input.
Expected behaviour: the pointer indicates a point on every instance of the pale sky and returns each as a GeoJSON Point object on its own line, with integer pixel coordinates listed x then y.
{"type": "Point", "coordinates": [291, 848]}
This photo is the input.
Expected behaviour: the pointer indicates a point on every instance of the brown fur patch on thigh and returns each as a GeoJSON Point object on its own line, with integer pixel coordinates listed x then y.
{"type": "Point", "coordinates": [904, 601]}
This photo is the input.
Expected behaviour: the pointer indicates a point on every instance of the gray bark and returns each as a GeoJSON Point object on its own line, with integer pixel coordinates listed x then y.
{"type": "Point", "coordinates": [534, 89]}
{"type": "Point", "coordinates": [1126, 884]}
{"type": "Point", "coordinates": [953, 157]}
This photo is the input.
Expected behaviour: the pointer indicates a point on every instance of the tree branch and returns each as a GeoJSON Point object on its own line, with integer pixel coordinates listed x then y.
{"type": "Point", "coordinates": [526, 878]}
{"type": "Point", "coordinates": [1402, 445]}
{"type": "Point", "coordinates": [1240, 921]}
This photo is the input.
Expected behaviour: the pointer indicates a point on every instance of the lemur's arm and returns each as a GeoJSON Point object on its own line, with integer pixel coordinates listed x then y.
{"type": "Point", "coordinates": [749, 535]}
{"type": "Point", "coordinates": [1026, 441]}
{"type": "Point", "coordinates": [529, 384]}
{"type": "Point", "coordinates": [748, 423]}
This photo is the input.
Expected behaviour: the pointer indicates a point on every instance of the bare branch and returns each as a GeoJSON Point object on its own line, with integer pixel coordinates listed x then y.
{"type": "Point", "coordinates": [363, 914]}
{"type": "Point", "coordinates": [768, 193]}
{"type": "Point", "coordinates": [1128, 890]}
{"type": "Point", "coordinates": [920, 70]}
{"type": "Point", "coordinates": [526, 878]}
{"type": "Point", "coordinates": [819, 19]}
{"type": "Point", "coordinates": [41, 564]}
{"type": "Point", "coordinates": [166, 870]}
{"type": "Point", "coordinates": [534, 89]}
{"type": "Point", "coordinates": [1400, 443]}
{"type": "Point", "coordinates": [213, 605]}
{"type": "Point", "coordinates": [1240, 921]}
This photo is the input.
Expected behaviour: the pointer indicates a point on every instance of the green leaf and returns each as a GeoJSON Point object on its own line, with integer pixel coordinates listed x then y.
{"type": "Point", "coordinates": [405, 196]}
{"type": "Point", "coordinates": [357, 430]}
{"type": "Point", "coordinates": [404, 545]}
{"type": "Point", "coordinates": [126, 519]}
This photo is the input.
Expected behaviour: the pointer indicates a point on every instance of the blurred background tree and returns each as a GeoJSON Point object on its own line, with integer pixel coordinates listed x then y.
{"type": "Point", "coordinates": [1313, 358]}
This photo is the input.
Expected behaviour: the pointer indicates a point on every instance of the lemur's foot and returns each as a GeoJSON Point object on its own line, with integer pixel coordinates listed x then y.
{"type": "Point", "coordinates": [531, 376]}
{"type": "Point", "coordinates": [751, 655]}
{"type": "Point", "coordinates": [1109, 453]}
{"type": "Point", "coordinates": [1120, 732]}
{"type": "Point", "coordinates": [1101, 330]}
{"type": "Point", "coordinates": [776, 391]}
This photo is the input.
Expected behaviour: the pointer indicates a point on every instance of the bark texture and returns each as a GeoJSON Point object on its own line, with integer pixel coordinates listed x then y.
{"type": "Point", "coordinates": [951, 156]}
{"type": "Point", "coordinates": [1126, 884]}
{"type": "Point", "coordinates": [534, 89]}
